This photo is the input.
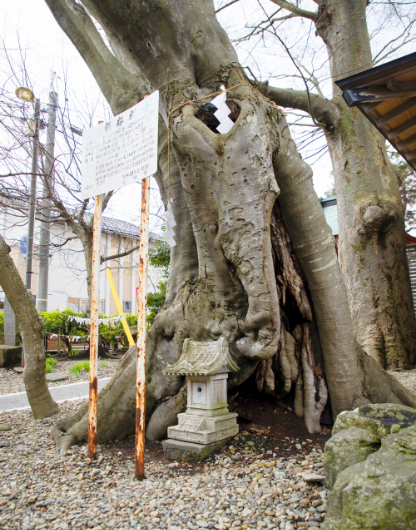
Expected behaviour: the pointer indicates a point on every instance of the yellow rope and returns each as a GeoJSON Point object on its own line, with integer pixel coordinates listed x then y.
{"type": "Point", "coordinates": [200, 99]}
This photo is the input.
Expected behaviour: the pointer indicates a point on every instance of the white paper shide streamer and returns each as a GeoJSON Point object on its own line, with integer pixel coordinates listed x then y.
{"type": "Point", "coordinates": [222, 113]}
{"type": "Point", "coordinates": [87, 321]}
{"type": "Point", "coordinates": [170, 224]}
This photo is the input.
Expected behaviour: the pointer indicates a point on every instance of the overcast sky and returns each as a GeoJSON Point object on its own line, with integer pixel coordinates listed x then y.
{"type": "Point", "coordinates": [49, 50]}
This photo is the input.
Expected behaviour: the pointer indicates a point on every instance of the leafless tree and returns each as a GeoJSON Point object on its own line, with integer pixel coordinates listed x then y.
{"type": "Point", "coordinates": [255, 260]}
{"type": "Point", "coordinates": [339, 39]}
{"type": "Point", "coordinates": [63, 191]}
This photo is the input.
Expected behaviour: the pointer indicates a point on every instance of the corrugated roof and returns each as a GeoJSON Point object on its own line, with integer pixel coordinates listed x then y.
{"type": "Point", "coordinates": [123, 228]}
{"type": "Point", "coordinates": [117, 226]}
{"type": "Point", "coordinates": [331, 213]}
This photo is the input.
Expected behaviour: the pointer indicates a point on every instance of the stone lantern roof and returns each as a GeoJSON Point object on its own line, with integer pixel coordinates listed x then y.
{"type": "Point", "coordinates": [203, 358]}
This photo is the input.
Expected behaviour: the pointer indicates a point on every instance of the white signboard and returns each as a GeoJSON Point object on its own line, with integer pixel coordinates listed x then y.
{"type": "Point", "coordinates": [121, 151]}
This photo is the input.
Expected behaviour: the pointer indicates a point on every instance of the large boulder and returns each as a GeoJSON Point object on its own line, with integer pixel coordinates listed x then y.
{"type": "Point", "coordinates": [370, 464]}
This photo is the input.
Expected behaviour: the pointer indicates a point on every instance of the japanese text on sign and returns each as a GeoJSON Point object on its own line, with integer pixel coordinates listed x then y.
{"type": "Point", "coordinates": [121, 151]}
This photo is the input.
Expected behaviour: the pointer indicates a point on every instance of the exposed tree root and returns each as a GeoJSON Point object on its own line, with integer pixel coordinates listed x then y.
{"type": "Point", "coordinates": [235, 274]}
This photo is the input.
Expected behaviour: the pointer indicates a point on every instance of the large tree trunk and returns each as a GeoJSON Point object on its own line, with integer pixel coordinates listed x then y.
{"type": "Point", "coordinates": [370, 215]}
{"type": "Point", "coordinates": [372, 238]}
{"type": "Point", "coordinates": [227, 259]}
{"type": "Point", "coordinates": [31, 326]}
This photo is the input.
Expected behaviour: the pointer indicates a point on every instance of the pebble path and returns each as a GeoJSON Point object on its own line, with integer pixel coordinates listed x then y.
{"type": "Point", "coordinates": [240, 488]}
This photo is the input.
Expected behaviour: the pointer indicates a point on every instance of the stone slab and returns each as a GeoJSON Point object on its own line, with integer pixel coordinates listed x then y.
{"type": "Point", "coordinates": [19, 369]}
{"type": "Point", "coordinates": [186, 451]}
{"type": "Point", "coordinates": [211, 413]}
{"type": "Point", "coordinates": [202, 437]}
{"type": "Point", "coordinates": [10, 324]}
{"type": "Point", "coordinates": [10, 355]}
{"type": "Point", "coordinates": [56, 377]}
{"type": "Point", "coordinates": [207, 423]}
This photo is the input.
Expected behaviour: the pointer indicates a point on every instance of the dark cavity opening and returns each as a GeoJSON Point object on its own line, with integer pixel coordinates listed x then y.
{"type": "Point", "coordinates": [206, 114]}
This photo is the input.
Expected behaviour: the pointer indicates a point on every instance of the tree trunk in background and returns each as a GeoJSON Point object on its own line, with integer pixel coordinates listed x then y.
{"type": "Point", "coordinates": [372, 246]}
{"type": "Point", "coordinates": [86, 240]}
{"type": "Point", "coordinates": [227, 259]}
{"type": "Point", "coordinates": [372, 238]}
{"type": "Point", "coordinates": [31, 326]}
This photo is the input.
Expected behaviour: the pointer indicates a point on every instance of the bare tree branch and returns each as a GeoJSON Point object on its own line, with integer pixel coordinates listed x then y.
{"type": "Point", "coordinates": [119, 255]}
{"type": "Point", "coordinates": [227, 5]}
{"type": "Point", "coordinates": [59, 245]}
{"type": "Point", "coordinates": [19, 174]}
{"type": "Point", "coordinates": [324, 110]}
{"type": "Point", "coordinates": [297, 11]}
{"type": "Point", "coordinates": [121, 88]}
{"type": "Point", "coordinates": [404, 38]}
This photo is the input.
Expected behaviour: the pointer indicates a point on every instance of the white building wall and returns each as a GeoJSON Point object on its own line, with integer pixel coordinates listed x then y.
{"type": "Point", "coordinates": [67, 274]}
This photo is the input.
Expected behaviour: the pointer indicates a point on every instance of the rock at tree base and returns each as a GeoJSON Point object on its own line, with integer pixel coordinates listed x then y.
{"type": "Point", "coordinates": [4, 427]}
{"type": "Point", "coordinates": [187, 451]}
{"type": "Point", "coordinates": [10, 355]}
{"type": "Point", "coordinates": [312, 477]}
{"type": "Point", "coordinates": [56, 377]}
{"type": "Point", "coordinates": [19, 369]}
{"type": "Point", "coordinates": [370, 464]}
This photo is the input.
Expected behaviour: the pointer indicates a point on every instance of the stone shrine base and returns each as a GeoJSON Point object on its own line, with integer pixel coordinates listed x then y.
{"type": "Point", "coordinates": [204, 430]}
{"type": "Point", "coordinates": [187, 451]}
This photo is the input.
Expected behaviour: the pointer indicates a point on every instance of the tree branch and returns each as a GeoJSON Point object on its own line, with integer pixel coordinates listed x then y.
{"type": "Point", "coordinates": [20, 173]}
{"type": "Point", "coordinates": [119, 255]}
{"type": "Point", "coordinates": [297, 11]}
{"type": "Point", "coordinates": [227, 5]}
{"type": "Point", "coordinates": [121, 88]}
{"type": "Point", "coordinates": [59, 245]}
{"type": "Point", "coordinates": [323, 110]}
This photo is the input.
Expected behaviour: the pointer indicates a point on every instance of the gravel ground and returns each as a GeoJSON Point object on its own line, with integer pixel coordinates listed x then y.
{"type": "Point", "coordinates": [406, 378]}
{"type": "Point", "coordinates": [12, 382]}
{"type": "Point", "coordinates": [240, 488]}
{"type": "Point", "coordinates": [243, 487]}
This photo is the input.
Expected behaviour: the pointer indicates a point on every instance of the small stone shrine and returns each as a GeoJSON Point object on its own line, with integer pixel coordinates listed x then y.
{"type": "Point", "coordinates": [207, 423]}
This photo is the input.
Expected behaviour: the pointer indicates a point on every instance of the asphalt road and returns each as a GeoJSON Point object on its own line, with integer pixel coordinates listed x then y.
{"type": "Point", "coordinates": [59, 393]}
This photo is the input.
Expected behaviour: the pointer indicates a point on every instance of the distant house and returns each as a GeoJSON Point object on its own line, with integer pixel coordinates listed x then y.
{"type": "Point", "coordinates": [331, 215]}
{"type": "Point", "coordinates": [67, 276]}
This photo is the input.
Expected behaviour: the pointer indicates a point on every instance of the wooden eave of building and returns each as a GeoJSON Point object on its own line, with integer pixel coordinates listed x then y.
{"type": "Point", "coordinates": [386, 95]}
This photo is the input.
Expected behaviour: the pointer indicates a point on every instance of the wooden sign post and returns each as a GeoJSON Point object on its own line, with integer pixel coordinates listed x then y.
{"type": "Point", "coordinates": [114, 154]}
{"type": "Point", "coordinates": [95, 294]}
{"type": "Point", "coordinates": [141, 331]}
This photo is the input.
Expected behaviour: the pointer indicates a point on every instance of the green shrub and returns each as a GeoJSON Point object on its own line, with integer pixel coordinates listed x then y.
{"type": "Point", "coordinates": [57, 322]}
{"type": "Point", "coordinates": [160, 258]}
{"type": "Point", "coordinates": [104, 364]}
{"type": "Point", "coordinates": [77, 368]}
{"type": "Point", "coordinates": [50, 363]}
{"type": "Point", "coordinates": [155, 301]}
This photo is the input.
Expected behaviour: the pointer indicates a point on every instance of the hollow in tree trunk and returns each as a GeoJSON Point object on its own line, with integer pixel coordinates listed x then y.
{"type": "Point", "coordinates": [255, 260]}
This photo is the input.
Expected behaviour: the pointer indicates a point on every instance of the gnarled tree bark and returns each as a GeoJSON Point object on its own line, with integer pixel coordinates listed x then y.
{"type": "Point", "coordinates": [224, 189]}
{"type": "Point", "coordinates": [372, 247]}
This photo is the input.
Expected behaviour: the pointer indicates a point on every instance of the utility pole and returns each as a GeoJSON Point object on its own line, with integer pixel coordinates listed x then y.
{"type": "Point", "coordinates": [32, 200]}
{"type": "Point", "coordinates": [42, 292]}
